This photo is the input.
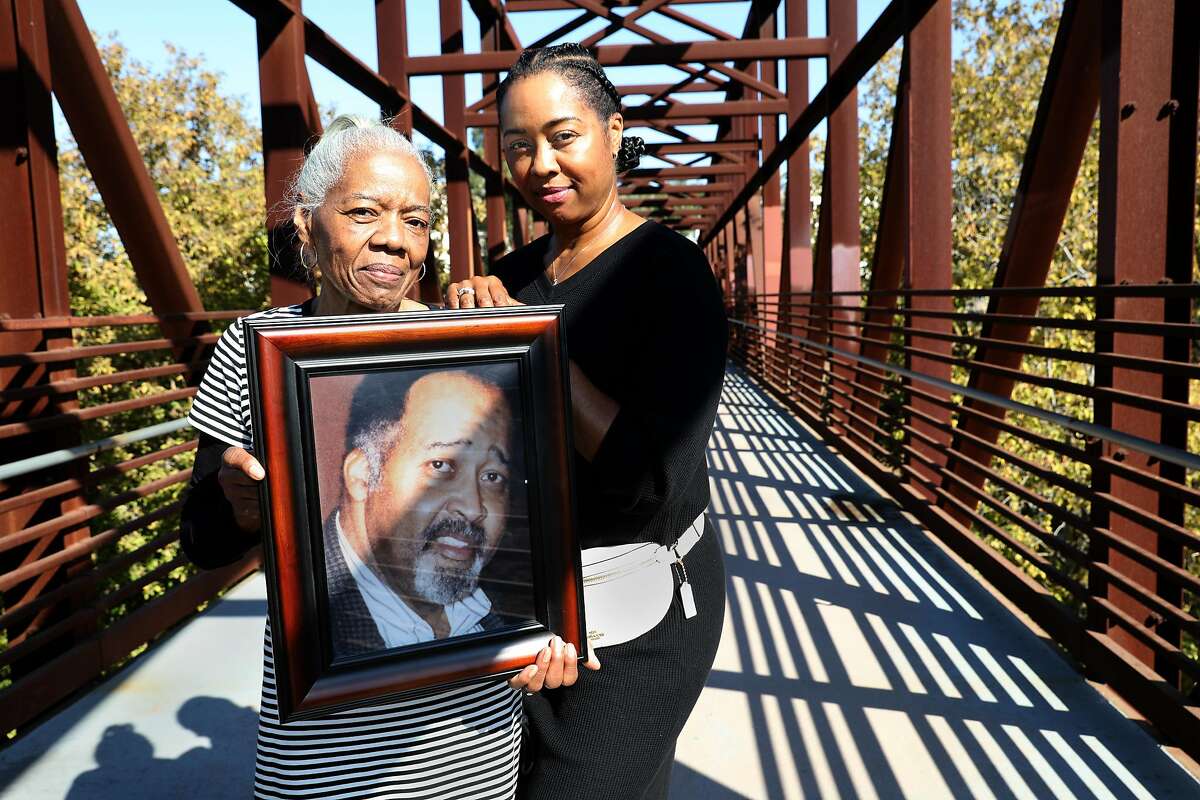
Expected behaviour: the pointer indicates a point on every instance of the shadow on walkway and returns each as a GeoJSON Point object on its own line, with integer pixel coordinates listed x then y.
{"type": "Point", "coordinates": [859, 660]}
{"type": "Point", "coordinates": [127, 766]}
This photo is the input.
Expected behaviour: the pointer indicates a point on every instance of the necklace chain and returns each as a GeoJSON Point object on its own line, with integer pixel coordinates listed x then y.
{"type": "Point", "coordinates": [575, 257]}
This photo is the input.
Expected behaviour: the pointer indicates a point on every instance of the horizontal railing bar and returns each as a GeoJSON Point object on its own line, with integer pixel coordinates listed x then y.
{"type": "Point", "coordinates": [1159, 451]}
{"type": "Point", "coordinates": [114, 320]}
{"type": "Point", "coordinates": [97, 350]}
{"type": "Point", "coordinates": [67, 454]}
{"type": "Point", "coordinates": [53, 490]}
{"type": "Point", "coordinates": [71, 418]}
{"type": "Point", "coordinates": [1188, 330]}
{"type": "Point", "coordinates": [110, 379]}
{"type": "Point", "coordinates": [1106, 290]}
{"type": "Point", "coordinates": [83, 514]}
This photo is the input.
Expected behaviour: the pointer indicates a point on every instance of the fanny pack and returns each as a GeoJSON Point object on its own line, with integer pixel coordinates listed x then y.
{"type": "Point", "coordinates": [627, 588]}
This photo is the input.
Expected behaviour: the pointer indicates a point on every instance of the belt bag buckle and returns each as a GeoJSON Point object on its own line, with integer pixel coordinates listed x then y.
{"type": "Point", "coordinates": [627, 590]}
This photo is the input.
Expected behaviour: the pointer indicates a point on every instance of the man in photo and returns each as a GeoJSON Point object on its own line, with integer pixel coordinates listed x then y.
{"type": "Point", "coordinates": [424, 506]}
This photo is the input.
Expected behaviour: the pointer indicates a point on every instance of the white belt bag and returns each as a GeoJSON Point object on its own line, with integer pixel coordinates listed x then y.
{"type": "Point", "coordinates": [627, 588]}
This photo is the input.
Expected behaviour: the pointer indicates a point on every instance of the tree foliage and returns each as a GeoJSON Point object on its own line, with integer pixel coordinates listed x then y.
{"type": "Point", "coordinates": [205, 160]}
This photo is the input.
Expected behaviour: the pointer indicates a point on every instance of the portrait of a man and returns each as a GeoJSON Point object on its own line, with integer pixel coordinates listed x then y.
{"type": "Point", "coordinates": [428, 538]}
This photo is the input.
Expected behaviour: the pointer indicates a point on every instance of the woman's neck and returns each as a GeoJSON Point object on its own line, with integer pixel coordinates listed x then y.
{"type": "Point", "coordinates": [573, 238]}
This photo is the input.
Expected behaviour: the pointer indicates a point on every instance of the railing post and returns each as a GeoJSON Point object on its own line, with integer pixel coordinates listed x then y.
{"type": "Point", "coordinates": [1148, 125]}
{"type": "Point", "coordinates": [928, 245]}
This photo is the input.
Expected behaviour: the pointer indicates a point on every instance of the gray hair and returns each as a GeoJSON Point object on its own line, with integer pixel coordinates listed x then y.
{"type": "Point", "coordinates": [344, 138]}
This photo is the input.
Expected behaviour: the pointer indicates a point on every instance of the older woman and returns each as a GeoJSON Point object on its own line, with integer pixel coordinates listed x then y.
{"type": "Point", "coordinates": [646, 339]}
{"type": "Point", "coordinates": [362, 213]}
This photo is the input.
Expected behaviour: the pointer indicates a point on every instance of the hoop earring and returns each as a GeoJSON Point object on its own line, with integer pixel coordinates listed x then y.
{"type": "Point", "coordinates": [421, 274]}
{"type": "Point", "coordinates": [302, 261]}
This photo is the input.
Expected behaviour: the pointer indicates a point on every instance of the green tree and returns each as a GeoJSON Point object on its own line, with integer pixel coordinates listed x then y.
{"type": "Point", "coordinates": [205, 160]}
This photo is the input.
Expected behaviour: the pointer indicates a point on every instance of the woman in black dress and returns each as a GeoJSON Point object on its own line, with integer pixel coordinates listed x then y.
{"type": "Point", "coordinates": [646, 340]}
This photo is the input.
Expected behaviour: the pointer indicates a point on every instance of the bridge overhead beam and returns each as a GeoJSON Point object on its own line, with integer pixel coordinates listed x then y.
{"type": "Point", "coordinates": [616, 55]}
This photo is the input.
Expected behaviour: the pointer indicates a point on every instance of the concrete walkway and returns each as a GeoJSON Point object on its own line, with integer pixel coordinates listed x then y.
{"type": "Point", "coordinates": [858, 662]}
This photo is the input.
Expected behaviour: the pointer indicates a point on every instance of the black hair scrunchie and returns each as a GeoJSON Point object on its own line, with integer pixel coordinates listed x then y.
{"type": "Point", "coordinates": [630, 154]}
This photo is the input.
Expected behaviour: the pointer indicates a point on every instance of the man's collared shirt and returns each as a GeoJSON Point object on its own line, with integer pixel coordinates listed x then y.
{"type": "Point", "coordinates": [398, 624]}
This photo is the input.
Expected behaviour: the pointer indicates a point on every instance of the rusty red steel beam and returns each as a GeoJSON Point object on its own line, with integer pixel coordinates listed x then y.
{"type": "Point", "coordinates": [679, 113]}
{"type": "Point", "coordinates": [727, 146]}
{"type": "Point", "coordinates": [930, 207]}
{"type": "Point", "coordinates": [454, 102]}
{"type": "Point", "coordinates": [895, 20]}
{"type": "Point", "coordinates": [667, 173]}
{"type": "Point", "coordinates": [290, 119]}
{"type": "Point", "coordinates": [1148, 126]}
{"type": "Point", "coordinates": [492, 12]}
{"type": "Point", "coordinates": [615, 55]}
{"type": "Point", "coordinates": [517, 6]}
{"type": "Point", "coordinates": [1065, 114]}
{"type": "Point", "coordinates": [796, 271]}
{"type": "Point", "coordinates": [489, 98]}
{"type": "Point", "coordinates": [492, 38]}
{"type": "Point", "coordinates": [91, 107]}
{"type": "Point", "coordinates": [628, 23]}
{"type": "Point", "coordinates": [330, 54]}
{"type": "Point", "coordinates": [645, 186]}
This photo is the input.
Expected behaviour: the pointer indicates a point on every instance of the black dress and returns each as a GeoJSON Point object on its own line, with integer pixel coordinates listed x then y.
{"type": "Point", "coordinates": [646, 324]}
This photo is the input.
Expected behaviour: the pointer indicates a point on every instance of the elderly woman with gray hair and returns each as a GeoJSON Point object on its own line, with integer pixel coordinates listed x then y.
{"type": "Point", "coordinates": [362, 212]}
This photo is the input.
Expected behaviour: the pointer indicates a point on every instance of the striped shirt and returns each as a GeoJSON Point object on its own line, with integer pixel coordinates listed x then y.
{"type": "Point", "coordinates": [453, 745]}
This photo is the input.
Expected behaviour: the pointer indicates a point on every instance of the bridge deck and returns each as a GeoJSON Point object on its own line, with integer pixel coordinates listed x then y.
{"type": "Point", "coordinates": [858, 660]}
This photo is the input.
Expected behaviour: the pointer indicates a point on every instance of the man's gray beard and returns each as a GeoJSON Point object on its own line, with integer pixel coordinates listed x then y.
{"type": "Point", "coordinates": [444, 586]}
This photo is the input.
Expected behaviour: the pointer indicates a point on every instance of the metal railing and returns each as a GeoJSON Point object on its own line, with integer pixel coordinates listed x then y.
{"type": "Point", "coordinates": [1092, 530]}
{"type": "Point", "coordinates": [96, 453]}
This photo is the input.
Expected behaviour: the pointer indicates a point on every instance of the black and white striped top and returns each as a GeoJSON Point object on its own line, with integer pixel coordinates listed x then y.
{"type": "Point", "coordinates": [457, 744]}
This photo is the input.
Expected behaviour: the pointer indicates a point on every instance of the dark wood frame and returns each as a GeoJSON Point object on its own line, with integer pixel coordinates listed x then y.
{"type": "Point", "coordinates": [282, 354]}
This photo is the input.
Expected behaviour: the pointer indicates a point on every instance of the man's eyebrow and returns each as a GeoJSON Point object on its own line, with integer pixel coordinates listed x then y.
{"type": "Point", "coordinates": [409, 209]}
{"type": "Point", "coordinates": [456, 443]}
{"type": "Point", "coordinates": [500, 454]}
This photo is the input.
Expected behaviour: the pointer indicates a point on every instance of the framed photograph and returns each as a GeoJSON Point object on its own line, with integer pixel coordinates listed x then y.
{"type": "Point", "coordinates": [418, 527]}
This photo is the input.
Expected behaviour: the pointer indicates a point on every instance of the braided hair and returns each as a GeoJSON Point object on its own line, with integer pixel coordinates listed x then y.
{"type": "Point", "coordinates": [583, 72]}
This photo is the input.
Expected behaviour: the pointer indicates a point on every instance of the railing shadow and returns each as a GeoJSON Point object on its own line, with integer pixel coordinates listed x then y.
{"type": "Point", "coordinates": [863, 662]}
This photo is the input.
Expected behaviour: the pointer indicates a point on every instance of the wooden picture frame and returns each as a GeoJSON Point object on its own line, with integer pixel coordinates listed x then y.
{"type": "Point", "coordinates": [425, 522]}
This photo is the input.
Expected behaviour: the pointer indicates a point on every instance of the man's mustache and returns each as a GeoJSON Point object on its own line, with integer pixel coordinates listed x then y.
{"type": "Point", "coordinates": [457, 527]}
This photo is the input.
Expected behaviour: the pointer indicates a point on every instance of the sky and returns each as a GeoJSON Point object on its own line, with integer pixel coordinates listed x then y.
{"type": "Point", "coordinates": [224, 35]}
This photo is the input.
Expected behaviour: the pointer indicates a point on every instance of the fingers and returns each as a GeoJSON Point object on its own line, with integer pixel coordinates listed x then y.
{"type": "Point", "coordinates": [557, 665]}
{"type": "Point", "coordinates": [554, 670]}
{"type": "Point", "coordinates": [480, 291]}
{"type": "Point", "coordinates": [235, 458]}
{"type": "Point", "coordinates": [570, 665]}
{"type": "Point", "coordinates": [592, 663]}
{"type": "Point", "coordinates": [522, 679]}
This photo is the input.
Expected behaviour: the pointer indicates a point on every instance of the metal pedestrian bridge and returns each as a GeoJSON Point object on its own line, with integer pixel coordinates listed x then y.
{"type": "Point", "coordinates": [860, 659]}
